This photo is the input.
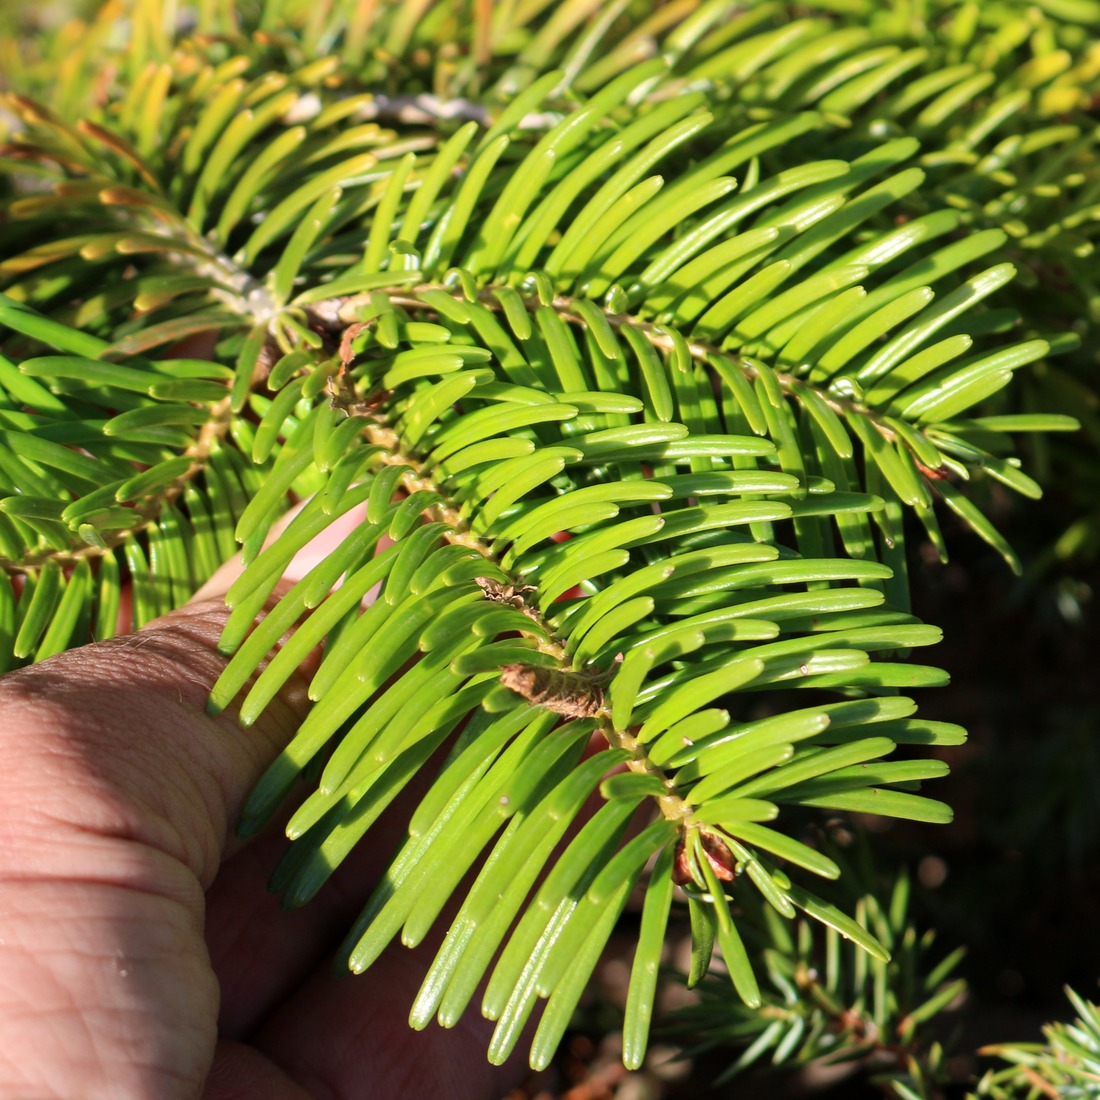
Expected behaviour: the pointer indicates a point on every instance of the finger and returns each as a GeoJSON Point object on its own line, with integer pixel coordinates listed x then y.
{"type": "Point", "coordinates": [118, 797]}
{"type": "Point", "coordinates": [337, 1033]}
{"type": "Point", "coordinates": [114, 739]}
{"type": "Point", "coordinates": [334, 1033]}
{"type": "Point", "coordinates": [262, 952]}
{"type": "Point", "coordinates": [241, 1072]}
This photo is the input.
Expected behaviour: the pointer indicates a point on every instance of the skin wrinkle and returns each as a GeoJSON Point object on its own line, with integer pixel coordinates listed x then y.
{"type": "Point", "coordinates": [108, 1043]}
{"type": "Point", "coordinates": [119, 807]}
{"type": "Point", "coordinates": [132, 803]}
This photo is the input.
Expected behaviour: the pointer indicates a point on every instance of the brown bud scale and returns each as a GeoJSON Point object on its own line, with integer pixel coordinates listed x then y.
{"type": "Point", "coordinates": [511, 594]}
{"type": "Point", "coordinates": [568, 693]}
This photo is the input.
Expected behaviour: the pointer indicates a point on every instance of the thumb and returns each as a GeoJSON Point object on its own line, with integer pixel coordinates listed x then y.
{"type": "Point", "coordinates": [112, 739]}
{"type": "Point", "coordinates": [114, 736]}
{"type": "Point", "coordinates": [118, 800]}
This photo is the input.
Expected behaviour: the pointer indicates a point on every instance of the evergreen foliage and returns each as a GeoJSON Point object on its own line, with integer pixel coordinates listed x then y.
{"type": "Point", "coordinates": [1067, 1064]}
{"type": "Point", "coordinates": [643, 333]}
{"type": "Point", "coordinates": [831, 1002]}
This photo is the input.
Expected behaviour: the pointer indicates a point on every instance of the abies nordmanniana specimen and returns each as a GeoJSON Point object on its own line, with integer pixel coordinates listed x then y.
{"type": "Point", "coordinates": [645, 336]}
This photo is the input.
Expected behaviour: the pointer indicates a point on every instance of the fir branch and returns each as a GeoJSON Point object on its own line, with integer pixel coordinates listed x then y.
{"type": "Point", "coordinates": [702, 352]}
{"type": "Point", "coordinates": [562, 694]}
{"type": "Point", "coordinates": [591, 147]}
{"type": "Point", "coordinates": [147, 510]}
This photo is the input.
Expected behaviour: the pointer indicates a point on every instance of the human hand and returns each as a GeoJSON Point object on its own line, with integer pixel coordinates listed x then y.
{"type": "Point", "coordinates": [140, 952]}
